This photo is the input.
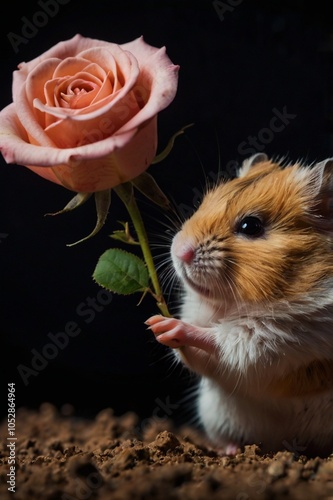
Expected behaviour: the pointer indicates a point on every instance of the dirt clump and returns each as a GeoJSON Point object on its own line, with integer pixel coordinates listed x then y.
{"type": "Point", "coordinates": [59, 456]}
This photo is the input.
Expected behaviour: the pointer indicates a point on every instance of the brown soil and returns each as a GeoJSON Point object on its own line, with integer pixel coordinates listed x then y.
{"type": "Point", "coordinates": [62, 457]}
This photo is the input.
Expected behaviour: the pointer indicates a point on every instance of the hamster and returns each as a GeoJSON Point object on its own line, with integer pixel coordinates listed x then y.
{"type": "Point", "coordinates": [255, 262]}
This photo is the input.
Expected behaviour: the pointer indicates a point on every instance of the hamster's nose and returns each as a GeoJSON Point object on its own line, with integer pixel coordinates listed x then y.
{"type": "Point", "coordinates": [186, 254]}
{"type": "Point", "coordinates": [184, 251]}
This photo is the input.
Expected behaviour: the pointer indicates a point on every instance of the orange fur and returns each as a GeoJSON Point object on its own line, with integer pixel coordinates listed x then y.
{"type": "Point", "coordinates": [292, 258]}
{"type": "Point", "coordinates": [312, 379]}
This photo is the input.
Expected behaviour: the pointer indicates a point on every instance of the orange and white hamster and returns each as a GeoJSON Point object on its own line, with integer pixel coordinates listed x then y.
{"type": "Point", "coordinates": [256, 265]}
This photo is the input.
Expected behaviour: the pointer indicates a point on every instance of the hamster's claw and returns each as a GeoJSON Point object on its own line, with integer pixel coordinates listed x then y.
{"type": "Point", "coordinates": [175, 333]}
{"type": "Point", "coordinates": [167, 330]}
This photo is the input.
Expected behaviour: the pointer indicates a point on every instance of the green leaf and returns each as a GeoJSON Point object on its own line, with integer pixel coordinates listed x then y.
{"type": "Point", "coordinates": [161, 156]}
{"type": "Point", "coordinates": [102, 202]}
{"type": "Point", "coordinates": [147, 185]}
{"type": "Point", "coordinates": [124, 235]}
{"type": "Point", "coordinates": [74, 203]}
{"type": "Point", "coordinates": [121, 272]}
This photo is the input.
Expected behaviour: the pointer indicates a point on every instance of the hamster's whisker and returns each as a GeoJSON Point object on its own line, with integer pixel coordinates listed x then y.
{"type": "Point", "coordinates": [166, 271]}
{"type": "Point", "coordinates": [188, 409]}
{"type": "Point", "coordinates": [231, 286]}
{"type": "Point", "coordinates": [164, 258]}
{"type": "Point", "coordinates": [171, 222]}
{"type": "Point", "coordinates": [172, 362]}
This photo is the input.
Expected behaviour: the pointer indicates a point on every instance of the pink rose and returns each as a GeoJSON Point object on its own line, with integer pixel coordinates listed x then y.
{"type": "Point", "coordinates": [84, 113]}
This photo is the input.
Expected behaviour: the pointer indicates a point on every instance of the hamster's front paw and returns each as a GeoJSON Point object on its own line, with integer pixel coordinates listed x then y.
{"type": "Point", "coordinates": [230, 449]}
{"type": "Point", "coordinates": [169, 331]}
{"type": "Point", "coordinates": [175, 333]}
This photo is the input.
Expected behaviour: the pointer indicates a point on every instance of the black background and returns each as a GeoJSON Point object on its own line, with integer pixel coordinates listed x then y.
{"type": "Point", "coordinates": [237, 68]}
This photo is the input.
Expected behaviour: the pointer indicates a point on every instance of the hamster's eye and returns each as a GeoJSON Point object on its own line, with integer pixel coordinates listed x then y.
{"type": "Point", "coordinates": [250, 226]}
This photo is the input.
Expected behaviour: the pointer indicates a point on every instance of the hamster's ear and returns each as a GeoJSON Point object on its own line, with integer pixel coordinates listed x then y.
{"type": "Point", "coordinates": [322, 185]}
{"type": "Point", "coordinates": [253, 160]}
{"type": "Point", "coordinates": [321, 178]}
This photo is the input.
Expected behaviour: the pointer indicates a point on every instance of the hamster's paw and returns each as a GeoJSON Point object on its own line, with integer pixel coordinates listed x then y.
{"type": "Point", "coordinates": [231, 449]}
{"type": "Point", "coordinates": [228, 449]}
{"type": "Point", "coordinates": [175, 333]}
{"type": "Point", "coordinates": [169, 331]}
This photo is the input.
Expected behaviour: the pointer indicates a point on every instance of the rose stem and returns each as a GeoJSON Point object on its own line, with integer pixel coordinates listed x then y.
{"type": "Point", "coordinates": [125, 193]}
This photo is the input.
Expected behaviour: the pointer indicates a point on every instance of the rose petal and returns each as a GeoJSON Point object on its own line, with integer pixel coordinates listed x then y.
{"type": "Point", "coordinates": [96, 109]}
{"type": "Point", "coordinates": [15, 146]}
{"type": "Point", "coordinates": [31, 85]}
{"type": "Point", "coordinates": [157, 70]}
{"type": "Point", "coordinates": [73, 65]}
{"type": "Point", "coordinates": [107, 171]}
{"type": "Point", "coordinates": [61, 50]}
{"type": "Point", "coordinates": [70, 133]}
